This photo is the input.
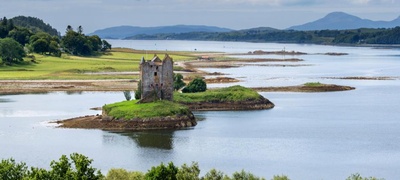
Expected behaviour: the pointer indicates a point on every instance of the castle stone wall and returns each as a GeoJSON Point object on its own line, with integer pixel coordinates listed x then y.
{"type": "Point", "coordinates": [157, 79]}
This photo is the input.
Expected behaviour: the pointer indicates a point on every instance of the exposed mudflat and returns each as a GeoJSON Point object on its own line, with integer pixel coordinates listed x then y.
{"type": "Point", "coordinates": [97, 122]}
{"type": "Point", "coordinates": [364, 78]}
{"type": "Point", "coordinates": [231, 106]}
{"type": "Point", "coordinates": [302, 88]}
{"type": "Point", "coordinates": [41, 86]}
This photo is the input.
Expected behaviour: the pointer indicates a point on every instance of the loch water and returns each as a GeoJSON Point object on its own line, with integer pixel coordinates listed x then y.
{"type": "Point", "coordinates": [306, 136]}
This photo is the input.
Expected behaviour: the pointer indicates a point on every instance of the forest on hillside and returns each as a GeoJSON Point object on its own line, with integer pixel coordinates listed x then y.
{"type": "Point", "coordinates": [20, 36]}
{"type": "Point", "coordinates": [357, 36]}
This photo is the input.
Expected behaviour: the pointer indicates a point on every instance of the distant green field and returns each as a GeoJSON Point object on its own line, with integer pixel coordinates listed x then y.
{"type": "Point", "coordinates": [74, 67]}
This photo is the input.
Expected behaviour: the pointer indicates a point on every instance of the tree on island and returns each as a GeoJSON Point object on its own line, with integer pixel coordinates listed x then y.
{"type": "Point", "coordinates": [138, 92]}
{"type": "Point", "coordinates": [178, 81]}
{"type": "Point", "coordinates": [197, 85]}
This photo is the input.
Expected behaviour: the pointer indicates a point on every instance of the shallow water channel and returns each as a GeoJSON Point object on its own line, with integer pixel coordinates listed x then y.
{"type": "Point", "coordinates": [306, 136]}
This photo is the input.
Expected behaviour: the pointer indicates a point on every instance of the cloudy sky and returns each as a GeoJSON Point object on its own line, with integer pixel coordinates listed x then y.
{"type": "Point", "coordinates": [234, 14]}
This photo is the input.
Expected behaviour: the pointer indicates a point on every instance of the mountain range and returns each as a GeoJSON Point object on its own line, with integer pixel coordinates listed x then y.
{"type": "Point", "coordinates": [343, 21]}
{"type": "Point", "coordinates": [332, 21]}
{"type": "Point", "coordinates": [121, 32]}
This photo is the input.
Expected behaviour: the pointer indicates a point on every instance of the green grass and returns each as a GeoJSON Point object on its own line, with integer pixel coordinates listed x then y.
{"type": "Point", "coordinates": [130, 110]}
{"type": "Point", "coordinates": [229, 94]}
{"type": "Point", "coordinates": [313, 84]}
{"type": "Point", "coordinates": [76, 67]}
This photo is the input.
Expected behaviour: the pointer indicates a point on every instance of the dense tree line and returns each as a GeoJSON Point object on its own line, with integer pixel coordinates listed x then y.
{"type": "Point", "coordinates": [23, 35]}
{"type": "Point", "coordinates": [358, 36]}
{"type": "Point", "coordinates": [78, 167]}
{"type": "Point", "coordinates": [77, 43]}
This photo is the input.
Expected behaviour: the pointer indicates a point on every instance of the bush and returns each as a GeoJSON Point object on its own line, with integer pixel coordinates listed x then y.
{"type": "Point", "coordinates": [188, 172]}
{"type": "Point", "coordinates": [10, 170]}
{"type": "Point", "coordinates": [162, 172]}
{"type": "Point", "coordinates": [214, 174]}
{"type": "Point", "coordinates": [63, 169]}
{"type": "Point", "coordinates": [178, 81]}
{"type": "Point", "coordinates": [197, 85]}
{"type": "Point", "coordinates": [243, 175]}
{"type": "Point", "coordinates": [138, 92]}
{"type": "Point", "coordinates": [359, 177]}
{"type": "Point", "coordinates": [117, 174]}
{"type": "Point", "coordinates": [281, 177]}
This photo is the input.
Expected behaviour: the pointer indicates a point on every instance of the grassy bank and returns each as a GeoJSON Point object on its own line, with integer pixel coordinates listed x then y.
{"type": "Point", "coordinates": [314, 84]}
{"type": "Point", "coordinates": [229, 94]}
{"type": "Point", "coordinates": [86, 68]}
{"type": "Point", "coordinates": [130, 110]}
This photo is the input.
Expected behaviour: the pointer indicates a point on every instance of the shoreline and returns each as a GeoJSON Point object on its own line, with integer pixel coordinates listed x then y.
{"type": "Point", "coordinates": [47, 86]}
{"type": "Point", "coordinates": [190, 70]}
{"type": "Point", "coordinates": [98, 122]}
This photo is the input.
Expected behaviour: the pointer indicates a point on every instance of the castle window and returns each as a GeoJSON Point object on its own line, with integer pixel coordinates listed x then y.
{"type": "Point", "coordinates": [162, 84]}
{"type": "Point", "coordinates": [155, 73]}
{"type": "Point", "coordinates": [156, 67]}
{"type": "Point", "coordinates": [156, 85]}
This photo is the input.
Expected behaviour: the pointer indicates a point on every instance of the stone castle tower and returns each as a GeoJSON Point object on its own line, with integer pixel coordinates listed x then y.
{"type": "Point", "coordinates": [157, 79]}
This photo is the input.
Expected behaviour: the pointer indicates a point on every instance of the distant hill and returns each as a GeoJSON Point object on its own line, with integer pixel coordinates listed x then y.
{"type": "Point", "coordinates": [122, 32]}
{"type": "Point", "coordinates": [342, 21]}
{"type": "Point", "coordinates": [34, 24]}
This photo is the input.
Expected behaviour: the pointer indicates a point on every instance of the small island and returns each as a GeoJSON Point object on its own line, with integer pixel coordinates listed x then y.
{"type": "Point", "coordinates": [159, 107]}
{"type": "Point", "coordinates": [224, 99]}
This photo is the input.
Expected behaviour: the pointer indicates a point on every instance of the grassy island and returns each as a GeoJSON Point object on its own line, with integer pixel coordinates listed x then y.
{"type": "Point", "coordinates": [131, 110]}
{"type": "Point", "coordinates": [128, 115]}
{"type": "Point", "coordinates": [230, 98]}
{"type": "Point", "coordinates": [229, 94]}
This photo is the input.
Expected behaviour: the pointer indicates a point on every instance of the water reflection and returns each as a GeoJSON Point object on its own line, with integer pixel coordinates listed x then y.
{"type": "Point", "coordinates": [73, 92]}
{"type": "Point", "coordinates": [3, 100]}
{"type": "Point", "coordinates": [162, 139]}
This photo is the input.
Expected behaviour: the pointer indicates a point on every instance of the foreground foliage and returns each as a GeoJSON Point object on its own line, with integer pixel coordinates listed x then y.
{"type": "Point", "coordinates": [78, 167]}
{"type": "Point", "coordinates": [229, 94]}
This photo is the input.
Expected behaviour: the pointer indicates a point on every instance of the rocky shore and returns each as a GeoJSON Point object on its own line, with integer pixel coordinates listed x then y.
{"type": "Point", "coordinates": [303, 88]}
{"type": "Point", "coordinates": [111, 124]}
{"type": "Point", "coordinates": [231, 106]}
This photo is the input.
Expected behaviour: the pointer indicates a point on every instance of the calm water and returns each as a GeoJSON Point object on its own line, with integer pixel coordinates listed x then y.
{"type": "Point", "coordinates": [306, 136]}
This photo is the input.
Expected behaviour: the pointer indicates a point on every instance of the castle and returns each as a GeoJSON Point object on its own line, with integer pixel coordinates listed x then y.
{"type": "Point", "coordinates": [157, 79]}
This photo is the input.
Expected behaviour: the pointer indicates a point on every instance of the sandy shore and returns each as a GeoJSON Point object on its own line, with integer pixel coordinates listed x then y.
{"type": "Point", "coordinates": [39, 86]}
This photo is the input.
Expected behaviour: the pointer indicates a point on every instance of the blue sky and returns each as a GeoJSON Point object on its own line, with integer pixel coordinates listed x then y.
{"type": "Point", "coordinates": [234, 14]}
